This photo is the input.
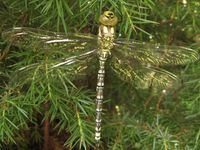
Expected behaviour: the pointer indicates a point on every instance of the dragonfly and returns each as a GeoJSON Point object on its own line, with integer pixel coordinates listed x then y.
{"type": "Point", "coordinates": [138, 62]}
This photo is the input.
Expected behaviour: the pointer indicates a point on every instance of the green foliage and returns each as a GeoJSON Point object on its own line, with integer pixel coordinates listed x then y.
{"type": "Point", "coordinates": [134, 118]}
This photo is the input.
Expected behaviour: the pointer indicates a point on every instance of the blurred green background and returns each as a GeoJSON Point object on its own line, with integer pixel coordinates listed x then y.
{"type": "Point", "coordinates": [134, 119]}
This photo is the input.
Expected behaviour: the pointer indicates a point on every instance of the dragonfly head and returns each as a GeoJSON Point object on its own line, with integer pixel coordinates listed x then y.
{"type": "Point", "coordinates": [108, 18]}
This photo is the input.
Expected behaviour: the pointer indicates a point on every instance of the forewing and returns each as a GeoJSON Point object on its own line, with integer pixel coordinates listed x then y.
{"type": "Point", "coordinates": [36, 39]}
{"type": "Point", "coordinates": [155, 54]}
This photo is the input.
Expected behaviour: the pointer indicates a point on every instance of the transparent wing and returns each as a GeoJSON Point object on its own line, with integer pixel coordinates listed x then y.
{"type": "Point", "coordinates": [142, 76]}
{"type": "Point", "coordinates": [39, 67]}
{"type": "Point", "coordinates": [50, 51]}
{"type": "Point", "coordinates": [143, 63]}
{"type": "Point", "coordinates": [36, 39]}
{"type": "Point", "coordinates": [155, 54]}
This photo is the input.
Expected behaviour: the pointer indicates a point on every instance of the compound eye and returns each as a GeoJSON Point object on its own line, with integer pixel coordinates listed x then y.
{"type": "Point", "coordinates": [109, 14]}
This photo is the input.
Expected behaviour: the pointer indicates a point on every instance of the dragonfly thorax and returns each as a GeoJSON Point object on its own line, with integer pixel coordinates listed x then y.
{"type": "Point", "coordinates": [106, 37]}
{"type": "Point", "coordinates": [106, 34]}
